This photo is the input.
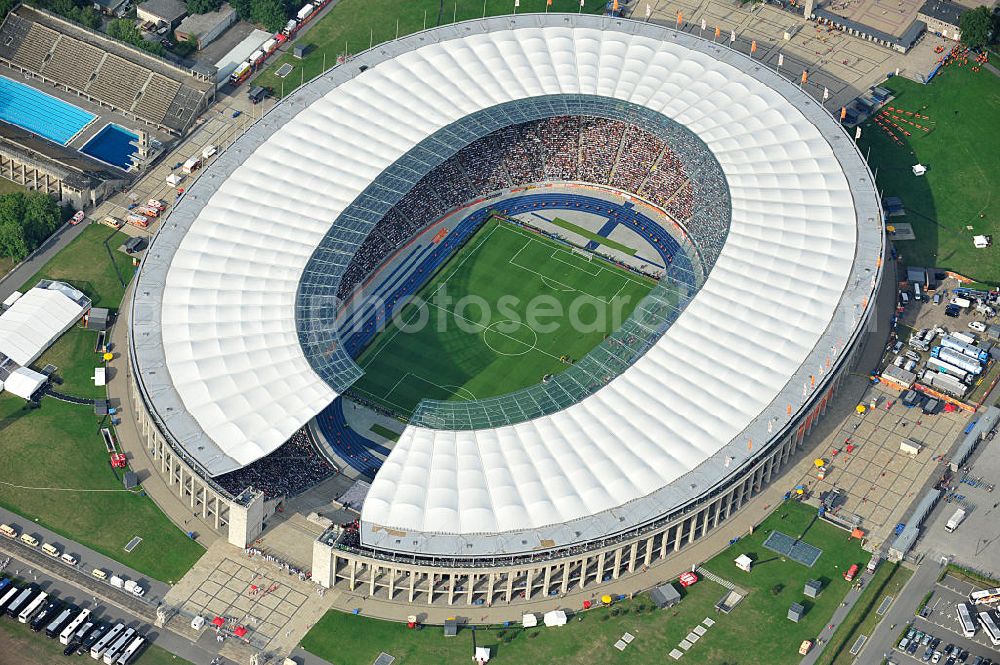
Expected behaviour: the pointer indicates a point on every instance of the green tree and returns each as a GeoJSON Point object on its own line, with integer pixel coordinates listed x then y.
{"type": "Point", "coordinates": [26, 220]}
{"type": "Point", "coordinates": [268, 13]}
{"type": "Point", "coordinates": [244, 9]}
{"type": "Point", "coordinates": [977, 27]}
{"type": "Point", "coordinates": [5, 7]}
{"type": "Point", "coordinates": [203, 6]}
{"type": "Point", "coordinates": [125, 30]}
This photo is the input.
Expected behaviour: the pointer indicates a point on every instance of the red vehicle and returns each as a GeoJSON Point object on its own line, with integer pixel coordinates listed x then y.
{"type": "Point", "coordinates": [77, 218]}
{"type": "Point", "coordinates": [851, 572]}
{"type": "Point", "coordinates": [687, 579]}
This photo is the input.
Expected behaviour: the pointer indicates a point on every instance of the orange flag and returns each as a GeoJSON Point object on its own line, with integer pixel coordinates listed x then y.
{"type": "Point", "coordinates": [805, 77]}
{"type": "Point", "coordinates": [717, 32]}
{"type": "Point", "coordinates": [753, 46]}
{"type": "Point", "coordinates": [679, 19]}
{"type": "Point", "coordinates": [843, 113]}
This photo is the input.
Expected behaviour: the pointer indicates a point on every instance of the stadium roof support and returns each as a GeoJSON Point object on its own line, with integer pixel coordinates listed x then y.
{"type": "Point", "coordinates": [790, 292]}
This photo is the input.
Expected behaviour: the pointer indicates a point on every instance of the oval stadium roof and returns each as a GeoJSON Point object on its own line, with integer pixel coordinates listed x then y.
{"type": "Point", "coordinates": [215, 304]}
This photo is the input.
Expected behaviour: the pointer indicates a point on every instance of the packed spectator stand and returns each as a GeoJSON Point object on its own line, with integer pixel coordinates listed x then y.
{"type": "Point", "coordinates": [290, 470]}
{"type": "Point", "coordinates": [668, 169]}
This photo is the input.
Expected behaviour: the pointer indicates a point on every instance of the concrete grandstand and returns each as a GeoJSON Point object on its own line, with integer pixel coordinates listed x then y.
{"type": "Point", "coordinates": [236, 339]}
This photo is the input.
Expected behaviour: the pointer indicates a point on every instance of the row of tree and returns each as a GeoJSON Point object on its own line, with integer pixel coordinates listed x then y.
{"type": "Point", "coordinates": [80, 12]}
{"type": "Point", "coordinates": [126, 30]}
{"type": "Point", "coordinates": [26, 220]}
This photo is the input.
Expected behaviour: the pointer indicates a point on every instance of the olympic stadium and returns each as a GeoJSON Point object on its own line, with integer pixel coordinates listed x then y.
{"type": "Point", "coordinates": [727, 200]}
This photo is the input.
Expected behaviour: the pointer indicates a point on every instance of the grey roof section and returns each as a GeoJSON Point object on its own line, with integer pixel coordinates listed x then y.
{"type": "Point", "coordinates": [907, 39]}
{"type": "Point", "coordinates": [198, 24]}
{"type": "Point", "coordinates": [944, 11]}
{"type": "Point", "coordinates": [986, 422]}
{"type": "Point", "coordinates": [900, 375]}
{"type": "Point", "coordinates": [188, 438]}
{"type": "Point", "coordinates": [665, 595]}
{"type": "Point", "coordinates": [911, 532]}
{"type": "Point", "coordinates": [168, 10]}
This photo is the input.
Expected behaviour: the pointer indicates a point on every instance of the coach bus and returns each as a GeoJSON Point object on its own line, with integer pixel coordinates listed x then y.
{"type": "Point", "coordinates": [985, 596]}
{"type": "Point", "coordinates": [27, 593]}
{"type": "Point", "coordinates": [965, 619]}
{"type": "Point", "coordinates": [56, 626]}
{"type": "Point", "coordinates": [30, 608]}
{"type": "Point", "coordinates": [102, 644]}
{"type": "Point", "coordinates": [990, 626]}
{"type": "Point", "coordinates": [132, 652]}
{"type": "Point", "coordinates": [67, 633]}
{"type": "Point", "coordinates": [8, 595]}
{"type": "Point", "coordinates": [118, 646]}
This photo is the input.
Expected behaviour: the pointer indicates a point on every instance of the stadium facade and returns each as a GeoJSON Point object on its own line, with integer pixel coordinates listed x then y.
{"type": "Point", "coordinates": [230, 354]}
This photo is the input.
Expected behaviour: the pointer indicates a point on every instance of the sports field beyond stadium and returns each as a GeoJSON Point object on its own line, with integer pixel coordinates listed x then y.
{"type": "Point", "coordinates": [509, 308]}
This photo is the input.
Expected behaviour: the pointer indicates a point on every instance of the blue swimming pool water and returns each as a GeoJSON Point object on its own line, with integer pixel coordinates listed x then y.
{"type": "Point", "coordinates": [40, 113]}
{"type": "Point", "coordinates": [111, 145]}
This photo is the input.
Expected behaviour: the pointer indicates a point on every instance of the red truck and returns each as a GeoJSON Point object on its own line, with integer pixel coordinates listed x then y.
{"type": "Point", "coordinates": [851, 572]}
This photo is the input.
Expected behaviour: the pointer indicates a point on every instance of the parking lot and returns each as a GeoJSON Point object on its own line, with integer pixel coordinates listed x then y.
{"type": "Point", "coordinates": [930, 313]}
{"type": "Point", "coordinates": [941, 622]}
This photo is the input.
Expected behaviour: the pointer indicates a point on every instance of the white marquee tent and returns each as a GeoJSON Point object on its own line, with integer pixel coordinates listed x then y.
{"type": "Point", "coordinates": [38, 318]}
{"type": "Point", "coordinates": [24, 382]}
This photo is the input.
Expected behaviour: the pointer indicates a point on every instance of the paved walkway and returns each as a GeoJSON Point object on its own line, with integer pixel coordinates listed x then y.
{"type": "Point", "coordinates": [883, 639]}
{"type": "Point", "coordinates": [839, 614]}
{"type": "Point", "coordinates": [130, 439]}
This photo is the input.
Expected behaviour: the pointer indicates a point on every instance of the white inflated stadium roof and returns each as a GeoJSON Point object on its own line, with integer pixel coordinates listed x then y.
{"type": "Point", "coordinates": [790, 288]}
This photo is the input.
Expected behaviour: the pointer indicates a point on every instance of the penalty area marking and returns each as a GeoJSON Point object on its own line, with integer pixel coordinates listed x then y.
{"type": "Point", "coordinates": [527, 347]}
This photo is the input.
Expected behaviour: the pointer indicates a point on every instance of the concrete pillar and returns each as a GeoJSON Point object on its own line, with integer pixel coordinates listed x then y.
{"type": "Point", "coordinates": [471, 580]}
{"type": "Point", "coordinates": [354, 574]}
{"type": "Point", "coordinates": [647, 559]}
{"type": "Point", "coordinates": [510, 585]}
{"type": "Point", "coordinates": [564, 587]}
{"type": "Point", "coordinates": [372, 574]}
{"type": "Point", "coordinates": [413, 581]}
{"type": "Point", "coordinates": [392, 582]}
{"type": "Point", "coordinates": [633, 551]}
{"type": "Point", "coordinates": [430, 588]}
{"type": "Point", "coordinates": [618, 564]}
{"type": "Point", "coordinates": [528, 583]}
{"type": "Point", "coordinates": [546, 581]}
{"type": "Point", "coordinates": [679, 534]}
{"type": "Point", "coordinates": [599, 573]}
{"type": "Point", "coordinates": [451, 589]}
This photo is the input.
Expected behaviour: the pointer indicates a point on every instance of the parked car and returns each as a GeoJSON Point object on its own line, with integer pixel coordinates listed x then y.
{"type": "Point", "coordinates": [978, 326]}
{"type": "Point", "coordinates": [78, 217]}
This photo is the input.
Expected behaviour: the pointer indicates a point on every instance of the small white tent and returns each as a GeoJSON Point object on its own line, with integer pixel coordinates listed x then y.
{"type": "Point", "coordinates": [555, 618]}
{"type": "Point", "coordinates": [24, 382]}
{"type": "Point", "coordinates": [919, 169]}
{"type": "Point", "coordinates": [482, 655]}
{"type": "Point", "coordinates": [529, 621]}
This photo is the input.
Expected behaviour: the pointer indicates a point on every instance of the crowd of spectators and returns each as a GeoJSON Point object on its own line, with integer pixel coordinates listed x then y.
{"type": "Point", "coordinates": [291, 469]}
{"type": "Point", "coordinates": [639, 154]}
{"type": "Point", "coordinates": [569, 148]}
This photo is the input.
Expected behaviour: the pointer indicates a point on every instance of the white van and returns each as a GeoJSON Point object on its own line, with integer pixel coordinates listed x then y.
{"type": "Point", "coordinates": [51, 550]}
{"type": "Point", "coordinates": [69, 559]}
{"type": "Point", "coordinates": [905, 297]}
{"type": "Point", "coordinates": [29, 540]}
{"type": "Point", "coordinates": [99, 573]}
{"type": "Point", "coordinates": [8, 530]}
{"type": "Point", "coordinates": [916, 293]}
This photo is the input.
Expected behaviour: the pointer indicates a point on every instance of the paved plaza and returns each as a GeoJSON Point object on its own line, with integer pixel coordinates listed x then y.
{"type": "Point", "coordinates": [880, 480]}
{"type": "Point", "coordinates": [276, 607]}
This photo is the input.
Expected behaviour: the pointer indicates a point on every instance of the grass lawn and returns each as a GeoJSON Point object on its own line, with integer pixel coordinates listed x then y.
{"type": "Point", "coordinates": [385, 432]}
{"type": "Point", "coordinates": [756, 632]}
{"type": "Point", "coordinates": [93, 264]}
{"type": "Point", "coordinates": [354, 24]}
{"type": "Point", "coordinates": [962, 180]}
{"type": "Point", "coordinates": [888, 580]}
{"type": "Point", "coordinates": [487, 339]}
{"type": "Point", "coordinates": [588, 637]}
{"type": "Point", "coordinates": [766, 635]}
{"type": "Point", "coordinates": [55, 464]}
{"type": "Point", "coordinates": [56, 471]}
{"type": "Point", "coordinates": [19, 645]}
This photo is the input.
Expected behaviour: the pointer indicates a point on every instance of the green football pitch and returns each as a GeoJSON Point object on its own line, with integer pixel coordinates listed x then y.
{"type": "Point", "coordinates": [507, 309]}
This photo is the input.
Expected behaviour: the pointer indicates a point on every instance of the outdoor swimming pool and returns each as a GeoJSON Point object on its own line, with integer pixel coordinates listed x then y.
{"type": "Point", "coordinates": [112, 146]}
{"type": "Point", "coordinates": [40, 113]}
